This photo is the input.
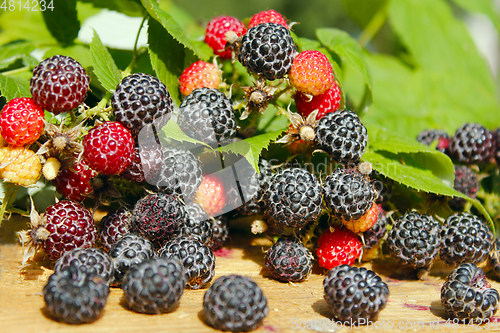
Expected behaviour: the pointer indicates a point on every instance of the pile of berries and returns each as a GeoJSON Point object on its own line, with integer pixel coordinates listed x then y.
{"type": "Point", "coordinates": [169, 201]}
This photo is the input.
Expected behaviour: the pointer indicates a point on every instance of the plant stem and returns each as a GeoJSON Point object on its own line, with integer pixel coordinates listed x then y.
{"type": "Point", "coordinates": [374, 25]}
{"type": "Point", "coordinates": [135, 53]}
{"type": "Point", "coordinates": [278, 94]}
{"type": "Point", "coordinates": [9, 187]}
{"type": "Point", "coordinates": [96, 110]}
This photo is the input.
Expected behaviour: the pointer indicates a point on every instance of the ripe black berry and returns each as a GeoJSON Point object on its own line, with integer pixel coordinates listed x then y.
{"type": "Point", "coordinates": [154, 286]}
{"type": "Point", "coordinates": [197, 224]}
{"type": "Point", "coordinates": [466, 239]}
{"type": "Point", "coordinates": [267, 50]}
{"type": "Point", "coordinates": [180, 173]}
{"type": "Point", "coordinates": [234, 303]}
{"type": "Point", "coordinates": [207, 115]}
{"type": "Point", "coordinates": [59, 84]}
{"type": "Point", "coordinates": [293, 197]}
{"type": "Point", "coordinates": [342, 135]}
{"type": "Point", "coordinates": [415, 240]}
{"type": "Point", "coordinates": [158, 216]}
{"type": "Point", "coordinates": [74, 296]}
{"type": "Point", "coordinates": [197, 258]}
{"type": "Point", "coordinates": [129, 251]}
{"type": "Point", "coordinates": [114, 226]}
{"type": "Point", "coordinates": [472, 144]}
{"type": "Point", "coordinates": [468, 296]}
{"type": "Point", "coordinates": [141, 99]}
{"type": "Point", "coordinates": [289, 260]}
{"type": "Point", "coordinates": [348, 194]}
{"type": "Point", "coordinates": [220, 231]}
{"type": "Point", "coordinates": [355, 293]}
{"type": "Point", "coordinates": [90, 261]}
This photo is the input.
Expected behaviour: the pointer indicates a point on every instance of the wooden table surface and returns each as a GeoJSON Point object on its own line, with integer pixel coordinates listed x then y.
{"type": "Point", "coordinates": [414, 305]}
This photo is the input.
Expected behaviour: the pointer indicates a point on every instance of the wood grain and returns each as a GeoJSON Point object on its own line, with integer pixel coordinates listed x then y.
{"type": "Point", "coordinates": [413, 305]}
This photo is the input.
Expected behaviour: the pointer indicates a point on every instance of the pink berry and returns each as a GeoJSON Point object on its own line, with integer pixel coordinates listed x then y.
{"type": "Point", "coordinates": [108, 148]}
{"type": "Point", "coordinates": [215, 34]}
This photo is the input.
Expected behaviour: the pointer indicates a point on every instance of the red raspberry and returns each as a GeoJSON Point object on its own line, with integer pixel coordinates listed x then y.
{"type": "Point", "coordinates": [59, 84]}
{"type": "Point", "coordinates": [21, 121]}
{"type": "Point", "coordinates": [211, 195]}
{"type": "Point", "coordinates": [338, 247]}
{"type": "Point", "coordinates": [198, 75]}
{"type": "Point", "coordinates": [65, 226]}
{"type": "Point", "coordinates": [108, 148]}
{"type": "Point", "coordinates": [74, 183]}
{"type": "Point", "coordinates": [311, 73]}
{"type": "Point", "coordinates": [267, 16]}
{"type": "Point", "coordinates": [215, 34]}
{"type": "Point", "coordinates": [324, 103]}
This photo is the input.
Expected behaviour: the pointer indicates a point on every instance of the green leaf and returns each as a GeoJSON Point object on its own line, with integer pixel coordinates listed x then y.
{"type": "Point", "coordinates": [349, 50]}
{"type": "Point", "coordinates": [251, 148]}
{"type": "Point", "coordinates": [104, 66]}
{"type": "Point", "coordinates": [429, 158]}
{"type": "Point", "coordinates": [127, 7]}
{"type": "Point", "coordinates": [11, 52]}
{"type": "Point", "coordinates": [438, 41]}
{"type": "Point", "coordinates": [24, 25]}
{"type": "Point", "coordinates": [79, 52]}
{"type": "Point", "coordinates": [167, 57]}
{"type": "Point", "coordinates": [203, 51]}
{"type": "Point", "coordinates": [485, 7]}
{"type": "Point", "coordinates": [407, 170]}
{"type": "Point", "coordinates": [173, 131]}
{"type": "Point", "coordinates": [408, 101]}
{"type": "Point", "coordinates": [11, 87]}
{"type": "Point", "coordinates": [62, 21]}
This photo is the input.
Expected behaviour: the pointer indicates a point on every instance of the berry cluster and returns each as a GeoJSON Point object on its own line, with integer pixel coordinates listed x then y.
{"type": "Point", "coordinates": [172, 176]}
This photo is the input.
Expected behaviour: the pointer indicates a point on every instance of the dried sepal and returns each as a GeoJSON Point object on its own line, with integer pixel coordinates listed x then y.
{"type": "Point", "coordinates": [257, 97]}
{"type": "Point", "coordinates": [32, 240]}
{"type": "Point", "coordinates": [300, 128]}
{"type": "Point", "coordinates": [61, 144]}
